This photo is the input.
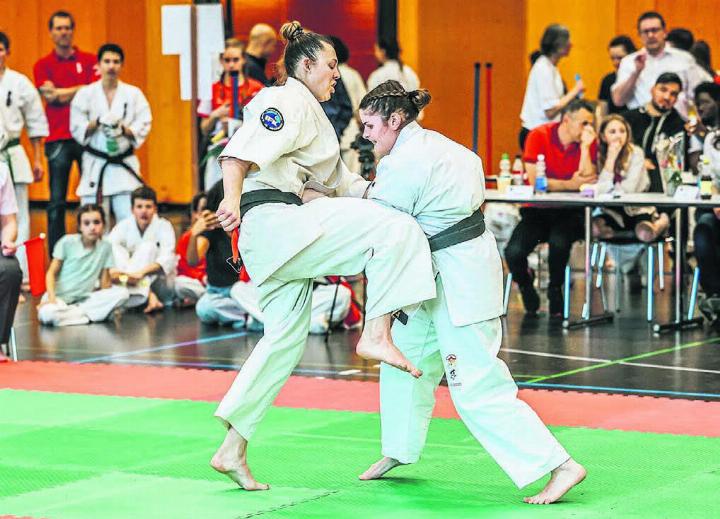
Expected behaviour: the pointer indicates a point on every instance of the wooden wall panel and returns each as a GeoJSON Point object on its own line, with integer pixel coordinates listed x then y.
{"type": "Point", "coordinates": [452, 35]}
{"type": "Point", "coordinates": [699, 16]}
{"type": "Point", "coordinates": [588, 56]}
{"type": "Point", "coordinates": [354, 21]}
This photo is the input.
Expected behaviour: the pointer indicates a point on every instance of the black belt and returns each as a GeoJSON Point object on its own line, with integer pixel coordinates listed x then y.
{"type": "Point", "coordinates": [465, 230]}
{"type": "Point", "coordinates": [6, 154]}
{"type": "Point", "coordinates": [266, 196]}
{"type": "Point", "coordinates": [259, 197]}
{"type": "Point", "coordinates": [115, 160]}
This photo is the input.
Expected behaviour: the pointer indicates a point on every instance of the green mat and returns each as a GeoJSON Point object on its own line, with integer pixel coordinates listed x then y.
{"type": "Point", "coordinates": [88, 457]}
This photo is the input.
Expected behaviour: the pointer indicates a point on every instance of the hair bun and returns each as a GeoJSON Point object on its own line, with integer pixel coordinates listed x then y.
{"type": "Point", "coordinates": [290, 31]}
{"type": "Point", "coordinates": [420, 98]}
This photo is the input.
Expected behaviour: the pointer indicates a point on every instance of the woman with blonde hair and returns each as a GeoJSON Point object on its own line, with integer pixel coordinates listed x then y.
{"type": "Point", "coordinates": [622, 170]}
{"type": "Point", "coordinates": [304, 216]}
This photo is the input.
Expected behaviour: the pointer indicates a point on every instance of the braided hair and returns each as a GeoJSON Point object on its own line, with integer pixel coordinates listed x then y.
{"type": "Point", "coordinates": [390, 97]}
{"type": "Point", "coordinates": [300, 44]}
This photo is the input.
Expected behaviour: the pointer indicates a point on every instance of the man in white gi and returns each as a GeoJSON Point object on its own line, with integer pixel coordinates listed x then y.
{"type": "Point", "coordinates": [303, 216]}
{"type": "Point", "coordinates": [441, 184]}
{"type": "Point", "coordinates": [144, 252]}
{"type": "Point", "coordinates": [20, 106]}
{"type": "Point", "coordinates": [80, 262]}
{"type": "Point", "coordinates": [111, 119]}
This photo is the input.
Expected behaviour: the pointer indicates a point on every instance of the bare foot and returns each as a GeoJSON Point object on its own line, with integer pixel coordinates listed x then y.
{"type": "Point", "coordinates": [153, 304]}
{"type": "Point", "coordinates": [563, 478]}
{"type": "Point", "coordinates": [231, 460]}
{"type": "Point", "coordinates": [380, 468]}
{"type": "Point", "coordinates": [376, 344]}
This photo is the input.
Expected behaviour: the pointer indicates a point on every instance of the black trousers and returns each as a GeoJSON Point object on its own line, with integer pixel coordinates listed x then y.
{"type": "Point", "coordinates": [707, 251]}
{"type": "Point", "coordinates": [10, 281]}
{"type": "Point", "coordinates": [522, 137]}
{"type": "Point", "coordinates": [60, 156]}
{"type": "Point", "coordinates": [557, 227]}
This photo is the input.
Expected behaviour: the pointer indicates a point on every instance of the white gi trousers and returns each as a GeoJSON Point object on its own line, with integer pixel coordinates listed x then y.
{"type": "Point", "coordinates": [23, 225]}
{"type": "Point", "coordinates": [482, 389]}
{"type": "Point", "coordinates": [357, 235]}
{"type": "Point", "coordinates": [187, 288]}
{"type": "Point", "coordinates": [120, 203]}
{"type": "Point", "coordinates": [145, 254]}
{"type": "Point", "coordinates": [95, 308]}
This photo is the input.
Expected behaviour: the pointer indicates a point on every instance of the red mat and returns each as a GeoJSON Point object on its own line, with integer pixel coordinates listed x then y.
{"type": "Point", "coordinates": [604, 411]}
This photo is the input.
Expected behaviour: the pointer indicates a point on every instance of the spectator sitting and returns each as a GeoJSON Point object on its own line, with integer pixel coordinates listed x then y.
{"type": "Point", "coordinates": [707, 97]}
{"type": "Point", "coordinates": [144, 253]}
{"type": "Point", "coordinates": [619, 47]}
{"type": "Point", "coordinates": [639, 70]}
{"type": "Point", "coordinates": [622, 170]}
{"type": "Point", "coordinates": [706, 236]}
{"type": "Point", "coordinates": [190, 281]}
{"type": "Point", "coordinates": [570, 151]}
{"type": "Point", "coordinates": [10, 273]}
{"type": "Point", "coordinates": [80, 262]}
{"type": "Point", "coordinates": [215, 113]}
{"type": "Point", "coordinates": [212, 245]}
{"type": "Point", "coordinates": [657, 120]}
{"type": "Point", "coordinates": [545, 96]}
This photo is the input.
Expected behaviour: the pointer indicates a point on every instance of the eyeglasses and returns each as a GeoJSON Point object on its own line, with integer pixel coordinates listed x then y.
{"type": "Point", "coordinates": [231, 60]}
{"type": "Point", "coordinates": [651, 30]}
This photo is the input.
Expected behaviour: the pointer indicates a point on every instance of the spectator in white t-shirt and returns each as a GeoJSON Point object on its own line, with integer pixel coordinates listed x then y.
{"type": "Point", "coordinates": [638, 71]}
{"type": "Point", "coordinates": [545, 96]}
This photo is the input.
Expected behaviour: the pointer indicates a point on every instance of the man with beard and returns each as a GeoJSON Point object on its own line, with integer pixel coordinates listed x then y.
{"type": "Point", "coordinates": [707, 97]}
{"type": "Point", "coordinates": [656, 120]}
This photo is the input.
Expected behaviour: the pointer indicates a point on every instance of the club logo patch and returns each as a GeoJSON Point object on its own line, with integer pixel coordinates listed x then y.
{"type": "Point", "coordinates": [272, 119]}
{"type": "Point", "coordinates": [452, 369]}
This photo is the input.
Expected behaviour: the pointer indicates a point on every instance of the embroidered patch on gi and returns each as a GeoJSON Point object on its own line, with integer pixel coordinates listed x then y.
{"type": "Point", "coordinates": [272, 119]}
{"type": "Point", "coordinates": [452, 370]}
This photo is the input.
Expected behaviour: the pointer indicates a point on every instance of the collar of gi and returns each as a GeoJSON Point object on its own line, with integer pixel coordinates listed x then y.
{"type": "Point", "coordinates": [406, 133]}
{"type": "Point", "coordinates": [299, 86]}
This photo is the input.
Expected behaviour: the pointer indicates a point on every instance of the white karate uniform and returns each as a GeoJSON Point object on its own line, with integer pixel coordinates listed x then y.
{"type": "Point", "coordinates": [285, 247]}
{"type": "Point", "coordinates": [129, 108]}
{"type": "Point", "coordinates": [95, 308]}
{"type": "Point", "coordinates": [440, 182]}
{"type": "Point", "coordinates": [356, 90]}
{"type": "Point", "coordinates": [188, 289]}
{"type": "Point", "coordinates": [133, 251]}
{"type": "Point", "coordinates": [20, 106]}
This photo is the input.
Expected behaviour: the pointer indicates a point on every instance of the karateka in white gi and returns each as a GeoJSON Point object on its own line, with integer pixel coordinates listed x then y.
{"type": "Point", "coordinates": [20, 106]}
{"type": "Point", "coordinates": [441, 183]}
{"type": "Point", "coordinates": [285, 163]}
{"type": "Point", "coordinates": [144, 253]}
{"type": "Point", "coordinates": [111, 119]}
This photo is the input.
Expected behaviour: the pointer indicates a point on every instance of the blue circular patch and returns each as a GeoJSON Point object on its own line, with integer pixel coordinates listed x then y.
{"type": "Point", "coordinates": [272, 119]}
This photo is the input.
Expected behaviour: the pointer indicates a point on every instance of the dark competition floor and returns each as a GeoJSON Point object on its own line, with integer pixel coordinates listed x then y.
{"type": "Point", "coordinates": [622, 357]}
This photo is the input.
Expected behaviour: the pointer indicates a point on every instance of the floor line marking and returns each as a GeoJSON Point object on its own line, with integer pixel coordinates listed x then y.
{"type": "Point", "coordinates": [535, 385]}
{"type": "Point", "coordinates": [674, 368]}
{"type": "Point", "coordinates": [161, 348]}
{"type": "Point", "coordinates": [627, 359]}
{"type": "Point", "coordinates": [553, 355]}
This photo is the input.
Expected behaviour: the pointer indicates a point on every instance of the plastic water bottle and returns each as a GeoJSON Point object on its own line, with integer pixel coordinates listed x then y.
{"type": "Point", "coordinates": [517, 171]}
{"type": "Point", "coordinates": [111, 145]}
{"type": "Point", "coordinates": [540, 178]}
{"type": "Point", "coordinates": [578, 78]}
{"type": "Point", "coordinates": [504, 179]}
{"type": "Point", "coordinates": [705, 179]}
